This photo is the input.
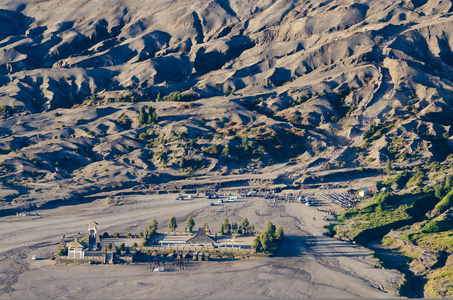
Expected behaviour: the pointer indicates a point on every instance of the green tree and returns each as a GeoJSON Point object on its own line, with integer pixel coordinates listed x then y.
{"type": "Point", "coordinates": [128, 234]}
{"type": "Point", "coordinates": [121, 246]}
{"type": "Point", "coordinates": [266, 240]}
{"type": "Point", "coordinates": [388, 167]}
{"type": "Point", "coordinates": [222, 230]}
{"type": "Point", "coordinates": [154, 224]}
{"type": "Point", "coordinates": [182, 162]}
{"type": "Point", "coordinates": [205, 225]}
{"type": "Point", "coordinates": [252, 228]}
{"type": "Point", "coordinates": [439, 190]}
{"type": "Point", "coordinates": [140, 234]}
{"type": "Point", "coordinates": [142, 116]}
{"type": "Point", "coordinates": [226, 226]}
{"type": "Point", "coordinates": [172, 223]}
{"type": "Point", "coordinates": [279, 233]}
{"type": "Point", "coordinates": [449, 182]}
{"type": "Point", "coordinates": [234, 227]}
{"type": "Point", "coordinates": [190, 223]}
{"type": "Point", "coordinates": [226, 151]}
{"type": "Point", "coordinates": [270, 228]}
{"type": "Point", "coordinates": [152, 115]}
{"type": "Point", "coordinates": [257, 243]}
{"type": "Point", "coordinates": [116, 234]}
{"type": "Point", "coordinates": [245, 225]}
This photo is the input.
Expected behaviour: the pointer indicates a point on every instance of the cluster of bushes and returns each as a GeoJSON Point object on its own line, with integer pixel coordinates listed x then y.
{"type": "Point", "coordinates": [339, 104]}
{"type": "Point", "coordinates": [251, 104]}
{"type": "Point", "coordinates": [213, 150]}
{"type": "Point", "coordinates": [146, 136]}
{"type": "Point", "coordinates": [442, 188]}
{"type": "Point", "coordinates": [147, 117]}
{"type": "Point", "coordinates": [375, 132]}
{"type": "Point", "coordinates": [62, 252]}
{"type": "Point", "coordinates": [177, 96]}
{"type": "Point", "coordinates": [6, 169]}
{"type": "Point", "coordinates": [244, 228]}
{"type": "Point", "coordinates": [269, 239]}
{"type": "Point", "coordinates": [281, 144]}
{"type": "Point", "coordinates": [190, 223]}
{"type": "Point", "coordinates": [438, 226]}
{"type": "Point", "coordinates": [247, 150]}
{"type": "Point", "coordinates": [444, 204]}
{"type": "Point", "coordinates": [151, 228]}
{"type": "Point", "coordinates": [396, 145]}
{"type": "Point", "coordinates": [230, 91]}
{"type": "Point", "coordinates": [191, 164]}
{"type": "Point", "coordinates": [403, 179]}
{"type": "Point", "coordinates": [9, 110]}
{"type": "Point", "coordinates": [124, 122]}
{"type": "Point", "coordinates": [417, 179]}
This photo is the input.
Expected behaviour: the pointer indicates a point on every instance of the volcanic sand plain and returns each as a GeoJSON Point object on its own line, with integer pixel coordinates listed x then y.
{"type": "Point", "coordinates": [308, 263]}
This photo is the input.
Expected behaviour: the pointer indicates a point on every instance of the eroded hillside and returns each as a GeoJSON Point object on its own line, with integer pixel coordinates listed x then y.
{"type": "Point", "coordinates": [241, 88]}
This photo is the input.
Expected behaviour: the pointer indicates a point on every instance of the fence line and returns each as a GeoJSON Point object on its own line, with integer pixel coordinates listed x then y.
{"type": "Point", "coordinates": [185, 248]}
{"type": "Point", "coordinates": [175, 232]}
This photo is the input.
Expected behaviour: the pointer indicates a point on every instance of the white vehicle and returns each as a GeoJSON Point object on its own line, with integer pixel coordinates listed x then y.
{"type": "Point", "coordinates": [159, 269]}
{"type": "Point", "coordinates": [34, 257]}
{"type": "Point", "coordinates": [230, 200]}
{"type": "Point", "coordinates": [308, 203]}
{"type": "Point", "coordinates": [220, 200]}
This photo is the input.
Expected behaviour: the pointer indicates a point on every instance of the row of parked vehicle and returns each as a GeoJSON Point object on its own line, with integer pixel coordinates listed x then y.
{"type": "Point", "coordinates": [343, 200]}
{"type": "Point", "coordinates": [306, 200]}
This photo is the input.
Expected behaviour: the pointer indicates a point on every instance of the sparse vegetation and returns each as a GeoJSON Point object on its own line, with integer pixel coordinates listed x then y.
{"type": "Point", "coordinates": [124, 122]}
{"type": "Point", "coordinates": [179, 97]}
{"type": "Point", "coordinates": [387, 211]}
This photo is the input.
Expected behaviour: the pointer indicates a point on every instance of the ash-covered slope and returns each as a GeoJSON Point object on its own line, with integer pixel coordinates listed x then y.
{"type": "Point", "coordinates": [59, 53]}
{"type": "Point", "coordinates": [261, 83]}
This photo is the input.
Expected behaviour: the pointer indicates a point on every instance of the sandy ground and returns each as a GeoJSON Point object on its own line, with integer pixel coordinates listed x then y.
{"type": "Point", "coordinates": [308, 264]}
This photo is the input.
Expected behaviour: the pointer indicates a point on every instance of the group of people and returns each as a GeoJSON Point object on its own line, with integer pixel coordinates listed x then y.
{"type": "Point", "coordinates": [332, 186]}
{"type": "Point", "coordinates": [26, 213]}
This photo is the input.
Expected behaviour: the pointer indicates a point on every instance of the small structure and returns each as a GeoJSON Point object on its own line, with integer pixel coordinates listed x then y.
{"type": "Point", "coordinates": [62, 245]}
{"type": "Point", "coordinates": [92, 229]}
{"type": "Point", "coordinates": [201, 239]}
{"type": "Point", "coordinates": [76, 250]}
{"type": "Point", "coordinates": [363, 192]}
